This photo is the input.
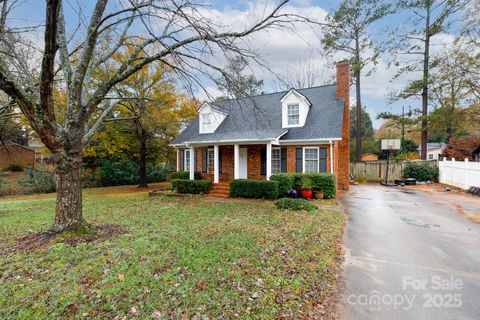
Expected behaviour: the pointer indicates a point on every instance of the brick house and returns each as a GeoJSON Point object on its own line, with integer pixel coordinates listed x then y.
{"type": "Point", "coordinates": [13, 153]}
{"type": "Point", "coordinates": [304, 130]}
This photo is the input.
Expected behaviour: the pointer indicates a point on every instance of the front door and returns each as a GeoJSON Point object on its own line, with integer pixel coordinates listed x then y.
{"type": "Point", "coordinates": [243, 163]}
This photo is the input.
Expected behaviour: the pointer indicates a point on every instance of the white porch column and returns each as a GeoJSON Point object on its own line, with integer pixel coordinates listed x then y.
{"type": "Point", "coordinates": [216, 162]}
{"type": "Point", "coordinates": [236, 161]}
{"type": "Point", "coordinates": [178, 160]}
{"type": "Point", "coordinates": [331, 157]}
{"type": "Point", "coordinates": [192, 163]}
{"type": "Point", "coordinates": [269, 160]}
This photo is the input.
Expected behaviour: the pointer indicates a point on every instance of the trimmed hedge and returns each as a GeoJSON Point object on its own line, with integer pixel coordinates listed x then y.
{"type": "Point", "coordinates": [185, 175]}
{"type": "Point", "coordinates": [323, 182]}
{"type": "Point", "coordinates": [191, 186]}
{"type": "Point", "coordinates": [285, 183]}
{"type": "Point", "coordinates": [295, 204]}
{"type": "Point", "coordinates": [420, 171]}
{"type": "Point", "coordinates": [254, 189]}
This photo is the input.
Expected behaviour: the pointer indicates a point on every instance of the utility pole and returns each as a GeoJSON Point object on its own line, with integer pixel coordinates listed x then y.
{"type": "Point", "coordinates": [402, 143]}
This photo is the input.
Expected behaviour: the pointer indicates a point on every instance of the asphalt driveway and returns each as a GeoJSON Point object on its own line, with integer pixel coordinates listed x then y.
{"type": "Point", "coordinates": [410, 255]}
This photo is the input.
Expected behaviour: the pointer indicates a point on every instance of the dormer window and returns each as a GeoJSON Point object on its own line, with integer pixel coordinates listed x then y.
{"type": "Point", "coordinates": [293, 114]}
{"type": "Point", "coordinates": [295, 107]}
{"type": "Point", "coordinates": [210, 118]}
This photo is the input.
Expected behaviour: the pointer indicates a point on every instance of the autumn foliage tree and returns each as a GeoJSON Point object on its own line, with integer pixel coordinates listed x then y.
{"type": "Point", "coordinates": [149, 115]}
{"type": "Point", "coordinates": [461, 148]}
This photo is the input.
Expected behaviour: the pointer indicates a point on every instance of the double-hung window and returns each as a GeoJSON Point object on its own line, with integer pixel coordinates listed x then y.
{"type": "Point", "coordinates": [310, 160]}
{"type": "Point", "coordinates": [293, 114]}
{"type": "Point", "coordinates": [276, 160]}
{"type": "Point", "coordinates": [187, 160]}
{"type": "Point", "coordinates": [210, 160]}
{"type": "Point", "coordinates": [206, 119]}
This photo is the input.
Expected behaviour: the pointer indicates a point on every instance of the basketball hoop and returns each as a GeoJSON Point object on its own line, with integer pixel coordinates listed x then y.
{"type": "Point", "coordinates": [391, 145]}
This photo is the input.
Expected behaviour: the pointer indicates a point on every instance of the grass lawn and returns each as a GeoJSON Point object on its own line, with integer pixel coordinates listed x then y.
{"type": "Point", "coordinates": [180, 258]}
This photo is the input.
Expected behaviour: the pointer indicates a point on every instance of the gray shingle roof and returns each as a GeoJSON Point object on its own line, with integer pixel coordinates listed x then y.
{"type": "Point", "coordinates": [260, 118]}
{"type": "Point", "coordinates": [434, 145]}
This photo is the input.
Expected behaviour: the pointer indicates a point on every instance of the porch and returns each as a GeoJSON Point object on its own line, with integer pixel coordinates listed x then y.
{"type": "Point", "coordinates": [223, 163]}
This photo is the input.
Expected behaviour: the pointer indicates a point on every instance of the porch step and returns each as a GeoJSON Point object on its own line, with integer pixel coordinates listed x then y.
{"type": "Point", "coordinates": [220, 190]}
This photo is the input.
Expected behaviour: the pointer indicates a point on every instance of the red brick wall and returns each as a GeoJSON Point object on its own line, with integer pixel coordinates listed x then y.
{"type": "Point", "coordinates": [343, 158]}
{"type": "Point", "coordinates": [16, 154]}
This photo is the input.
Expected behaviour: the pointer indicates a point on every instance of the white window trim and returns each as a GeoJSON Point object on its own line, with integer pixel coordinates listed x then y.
{"type": "Point", "coordinates": [185, 167]}
{"type": "Point", "coordinates": [280, 155]}
{"type": "Point", "coordinates": [293, 125]}
{"type": "Point", "coordinates": [212, 158]}
{"type": "Point", "coordinates": [318, 158]}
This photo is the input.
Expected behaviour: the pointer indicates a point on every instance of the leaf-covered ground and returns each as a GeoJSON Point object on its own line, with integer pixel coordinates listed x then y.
{"type": "Point", "coordinates": [179, 258]}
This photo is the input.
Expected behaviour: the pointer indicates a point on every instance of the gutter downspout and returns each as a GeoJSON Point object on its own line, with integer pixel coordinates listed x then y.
{"type": "Point", "coordinates": [331, 156]}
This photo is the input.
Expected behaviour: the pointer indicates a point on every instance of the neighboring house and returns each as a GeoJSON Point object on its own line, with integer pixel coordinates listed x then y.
{"type": "Point", "coordinates": [13, 153]}
{"type": "Point", "coordinates": [434, 150]}
{"type": "Point", "coordinates": [304, 130]}
{"type": "Point", "coordinates": [369, 157]}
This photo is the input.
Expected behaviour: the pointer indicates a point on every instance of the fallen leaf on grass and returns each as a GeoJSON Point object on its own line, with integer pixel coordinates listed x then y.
{"type": "Point", "coordinates": [202, 284]}
{"type": "Point", "coordinates": [121, 277]}
{"type": "Point", "coordinates": [156, 314]}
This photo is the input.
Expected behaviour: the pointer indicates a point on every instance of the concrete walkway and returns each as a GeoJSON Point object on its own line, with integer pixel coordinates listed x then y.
{"type": "Point", "coordinates": [410, 255]}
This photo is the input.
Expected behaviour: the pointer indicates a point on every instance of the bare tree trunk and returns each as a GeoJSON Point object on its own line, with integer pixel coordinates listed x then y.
{"type": "Point", "coordinates": [142, 181]}
{"type": "Point", "coordinates": [426, 56]}
{"type": "Point", "coordinates": [68, 211]}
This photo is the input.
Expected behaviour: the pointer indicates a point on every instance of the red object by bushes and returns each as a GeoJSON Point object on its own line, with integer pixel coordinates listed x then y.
{"type": "Point", "coordinates": [307, 193]}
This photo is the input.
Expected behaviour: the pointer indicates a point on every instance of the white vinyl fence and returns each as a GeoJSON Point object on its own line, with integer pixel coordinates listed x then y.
{"type": "Point", "coordinates": [460, 174]}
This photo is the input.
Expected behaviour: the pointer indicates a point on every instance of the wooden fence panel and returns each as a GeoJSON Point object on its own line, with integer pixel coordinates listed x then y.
{"type": "Point", "coordinates": [375, 170]}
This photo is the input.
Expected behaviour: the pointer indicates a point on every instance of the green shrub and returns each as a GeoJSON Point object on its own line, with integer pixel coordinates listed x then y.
{"type": "Point", "coordinates": [123, 173]}
{"type": "Point", "coordinates": [157, 172]}
{"type": "Point", "coordinates": [323, 182]}
{"type": "Point", "coordinates": [91, 179]}
{"type": "Point", "coordinates": [191, 186]}
{"type": "Point", "coordinates": [295, 204]}
{"type": "Point", "coordinates": [118, 173]}
{"type": "Point", "coordinates": [185, 175]}
{"type": "Point", "coordinates": [38, 181]}
{"type": "Point", "coordinates": [285, 183]}
{"type": "Point", "coordinates": [420, 171]}
{"type": "Point", "coordinates": [254, 189]}
{"type": "Point", "coordinates": [14, 167]}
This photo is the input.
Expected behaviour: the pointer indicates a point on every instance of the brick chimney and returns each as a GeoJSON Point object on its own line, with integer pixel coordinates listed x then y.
{"type": "Point", "coordinates": [343, 147]}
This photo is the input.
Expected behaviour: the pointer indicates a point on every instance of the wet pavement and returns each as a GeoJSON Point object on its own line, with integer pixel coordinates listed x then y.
{"type": "Point", "coordinates": [410, 254]}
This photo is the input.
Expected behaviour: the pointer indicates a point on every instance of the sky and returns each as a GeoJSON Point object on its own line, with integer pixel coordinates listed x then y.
{"type": "Point", "coordinates": [287, 51]}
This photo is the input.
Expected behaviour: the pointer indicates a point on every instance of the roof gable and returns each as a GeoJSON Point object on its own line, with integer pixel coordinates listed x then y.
{"type": "Point", "coordinates": [259, 117]}
{"type": "Point", "coordinates": [297, 95]}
